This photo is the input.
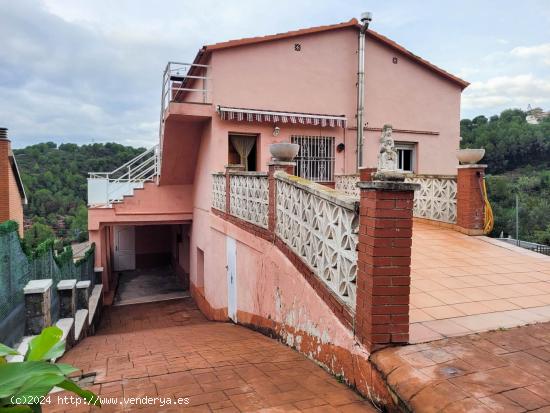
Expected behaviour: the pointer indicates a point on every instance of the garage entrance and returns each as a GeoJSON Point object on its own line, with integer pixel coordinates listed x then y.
{"type": "Point", "coordinates": [151, 262]}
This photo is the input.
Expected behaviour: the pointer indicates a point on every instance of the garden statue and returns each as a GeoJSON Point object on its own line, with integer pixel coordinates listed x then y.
{"type": "Point", "coordinates": [387, 158]}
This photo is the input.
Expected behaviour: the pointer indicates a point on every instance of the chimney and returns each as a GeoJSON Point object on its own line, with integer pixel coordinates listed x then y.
{"type": "Point", "coordinates": [4, 175]}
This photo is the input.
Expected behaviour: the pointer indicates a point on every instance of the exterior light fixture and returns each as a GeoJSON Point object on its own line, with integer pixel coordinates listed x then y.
{"type": "Point", "coordinates": [276, 131]}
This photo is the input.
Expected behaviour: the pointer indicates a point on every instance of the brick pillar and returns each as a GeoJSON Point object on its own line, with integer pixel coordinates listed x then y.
{"type": "Point", "coordinates": [4, 176]}
{"type": "Point", "coordinates": [366, 174]}
{"type": "Point", "coordinates": [228, 169]}
{"type": "Point", "coordinates": [274, 166]}
{"type": "Point", "coordinates": [469, 199]}
{"type": "Point", "coordinates": [384, 260]}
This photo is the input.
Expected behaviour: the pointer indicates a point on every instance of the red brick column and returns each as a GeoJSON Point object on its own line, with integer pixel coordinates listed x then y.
{"type": "Point", "coordinates": [469, 199]}
{"type": "Point", "coordinates": [366, 174]}
{"type": "Point", "coordinates": [4, 176]}
{"type": "Point", "coordinates": [228, 169]}
{"type": "Point", "coordinates": [384, 260]}
{"type": "Point", "coordinates": [274, 166]}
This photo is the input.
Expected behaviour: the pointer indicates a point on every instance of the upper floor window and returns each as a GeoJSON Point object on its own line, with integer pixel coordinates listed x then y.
{"type": "Point", "coordinates": [315, 160]}
{"type": "Point", "coordinates": [242, 150]}
{"type": "Point", "coordinates": [406, 155]}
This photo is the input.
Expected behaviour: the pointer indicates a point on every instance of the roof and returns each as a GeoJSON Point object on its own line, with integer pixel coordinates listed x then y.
{"type": "Point", "coordinates": [17, 175]}
{"type": "Point", "coordinates": [353, 23]}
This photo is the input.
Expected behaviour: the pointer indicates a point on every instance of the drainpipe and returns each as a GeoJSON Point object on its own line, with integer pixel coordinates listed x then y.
{"type": "Point", "coordinates": [366, 18]}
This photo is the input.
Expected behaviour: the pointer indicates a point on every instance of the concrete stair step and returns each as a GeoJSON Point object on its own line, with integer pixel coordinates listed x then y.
{"type": "Point", "coordinates": [81, 323]}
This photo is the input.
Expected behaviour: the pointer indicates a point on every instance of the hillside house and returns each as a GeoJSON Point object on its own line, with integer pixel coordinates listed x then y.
{"type": "Point", "coordinates": [271, 245]}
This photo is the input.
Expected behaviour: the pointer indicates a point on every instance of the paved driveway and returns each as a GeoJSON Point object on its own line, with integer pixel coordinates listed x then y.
{"type": "Point", "coordinates": [169, 350]}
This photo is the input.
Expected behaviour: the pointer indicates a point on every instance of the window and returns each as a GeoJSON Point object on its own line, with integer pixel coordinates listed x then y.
{"type": "Point", "coordinates": [406, 154]}
{"type": "Point", "coordinates": [242, 150]}
{"type": "Point", "coordinates": [315, 160]}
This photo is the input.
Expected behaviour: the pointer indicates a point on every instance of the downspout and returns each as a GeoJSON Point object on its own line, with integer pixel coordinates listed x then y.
{"type": "Point", "coordinates": [366, 18]}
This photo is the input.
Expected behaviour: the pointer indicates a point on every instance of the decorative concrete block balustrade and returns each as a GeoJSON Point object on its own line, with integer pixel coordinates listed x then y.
{"type": "Point", "coordinates": [249, 196]}
{"type": "Point", "coordinates": [318, 224]}
{"type": "Point", "coordinates": [435, 200]}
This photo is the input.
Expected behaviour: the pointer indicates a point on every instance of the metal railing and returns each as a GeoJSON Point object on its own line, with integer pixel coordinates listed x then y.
{"type": "Point", "coordinates": [184, 82]}
{"type": "Point", "coordinates": [108, 187]}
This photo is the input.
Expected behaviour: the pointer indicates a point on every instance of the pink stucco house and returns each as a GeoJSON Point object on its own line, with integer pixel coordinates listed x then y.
{"type": "Point", "coordinates": [259, 246]}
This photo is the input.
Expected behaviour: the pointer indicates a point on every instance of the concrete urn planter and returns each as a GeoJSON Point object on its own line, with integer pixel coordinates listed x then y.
{"type": "Point", "coordinates": [470, 156]}
{"type": "Point", "coordinates": [284, 151]}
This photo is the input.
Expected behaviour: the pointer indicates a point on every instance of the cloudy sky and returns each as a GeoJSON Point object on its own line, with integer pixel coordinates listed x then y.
{"type": "Point", "coordinates": [90, 70]}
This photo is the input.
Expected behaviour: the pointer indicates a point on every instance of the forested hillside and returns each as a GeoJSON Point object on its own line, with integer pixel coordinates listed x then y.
{"type": "Point", "coordinates": [55, 182]}
{"type": "Point", "coordinates": [518, 158]}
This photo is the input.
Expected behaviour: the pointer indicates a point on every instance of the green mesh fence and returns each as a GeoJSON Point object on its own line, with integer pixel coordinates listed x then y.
{"type": "Point", "coordinates": [17, 268]}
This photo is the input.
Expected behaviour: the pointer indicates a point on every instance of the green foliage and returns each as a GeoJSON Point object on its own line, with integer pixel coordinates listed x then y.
{"type": "Point", "coordinates": [510, 142]}
{"type": "Point", "coordinates": [533, 189]}
{"type": "Point", "coordinates": [8, 226]}
{"type": "Point", "coordinates": [25, 383]}
{"type": "Point", "coordinates": [37, 234]}
{"type": "Point", "coordinates": [55, 178]}
{"type": "Point", "coordinates": [518, 157]}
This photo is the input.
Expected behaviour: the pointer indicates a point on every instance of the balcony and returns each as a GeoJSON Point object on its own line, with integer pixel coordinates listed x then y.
{"type": "Point", "coordinates": [185, 83]}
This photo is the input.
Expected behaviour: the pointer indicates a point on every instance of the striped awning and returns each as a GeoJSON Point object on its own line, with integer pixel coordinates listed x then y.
{"type": "Point", "coordinates": [272, 116]}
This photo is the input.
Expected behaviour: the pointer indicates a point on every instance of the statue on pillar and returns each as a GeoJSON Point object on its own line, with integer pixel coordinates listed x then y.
{"type": "Point", "coordinates": [387, 158]}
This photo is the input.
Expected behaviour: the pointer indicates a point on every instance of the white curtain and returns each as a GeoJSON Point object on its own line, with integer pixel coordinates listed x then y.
{"type": "Point", "coordinates": [243, 145]}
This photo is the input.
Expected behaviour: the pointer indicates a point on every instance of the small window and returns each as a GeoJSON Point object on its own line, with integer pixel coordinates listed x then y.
{"type": "Point", "coordinates": [406, 154]}
{"type": "Point", "coordinates": [242, 150]}
{"type": "Point", "coordinates": [315, 160]}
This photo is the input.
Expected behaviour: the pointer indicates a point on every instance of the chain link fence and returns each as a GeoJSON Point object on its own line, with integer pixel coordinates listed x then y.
{"type": "Point", "coordinates": [17, 268]}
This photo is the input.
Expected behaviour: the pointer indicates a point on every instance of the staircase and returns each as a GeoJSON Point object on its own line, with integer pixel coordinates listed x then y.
{"type": "Point", "coordinates": [107, 188]}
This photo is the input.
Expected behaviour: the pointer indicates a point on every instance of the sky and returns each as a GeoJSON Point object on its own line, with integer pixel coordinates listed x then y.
{"type": "Point", "coordinates": [87, 71]}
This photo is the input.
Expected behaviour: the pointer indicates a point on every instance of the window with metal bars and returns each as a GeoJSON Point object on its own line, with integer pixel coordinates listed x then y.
{"type": "Point", "coordinates": [315, 160]}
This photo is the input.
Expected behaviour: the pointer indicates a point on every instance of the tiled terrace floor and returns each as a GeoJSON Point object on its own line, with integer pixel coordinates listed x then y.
{"type": "Point", "coordinates": [462, 284]}
{"type": "Point", "coordinates": [168, 349]}
{"type": "Point", "coordinates": [498, 371]}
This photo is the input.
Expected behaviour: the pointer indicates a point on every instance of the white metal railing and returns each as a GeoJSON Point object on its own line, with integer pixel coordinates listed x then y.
{"type": "Point", "coordinates": [249, 197]}
{"type": "Point", "coordinates": [104, 188]}
{"type": "Point", "coordinates": [321, 227]}
{"type": "Point", "coordinates": [185, 82]}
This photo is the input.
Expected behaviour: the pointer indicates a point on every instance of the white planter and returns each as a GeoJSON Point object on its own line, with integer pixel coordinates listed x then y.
{"type": "Point", "coordinates": [284, 151]}
{"type": "Point", "coordinates": [470, 156]}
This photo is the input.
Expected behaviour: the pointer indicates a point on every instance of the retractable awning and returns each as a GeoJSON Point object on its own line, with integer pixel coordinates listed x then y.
{"type": "Point", "coordinates": [273, 116]}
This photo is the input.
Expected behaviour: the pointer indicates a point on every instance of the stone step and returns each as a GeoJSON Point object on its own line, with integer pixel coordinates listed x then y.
{"type": "Point", "coordinates": [95, 299]}
{"type": "Point", "coordinates": [81, 324]}
{"type": "Point", "coordinates": [21, 349]}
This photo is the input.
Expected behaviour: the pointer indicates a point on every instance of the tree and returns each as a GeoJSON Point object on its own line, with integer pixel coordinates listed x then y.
{"type": "Point", "coordinates": [37, 234]}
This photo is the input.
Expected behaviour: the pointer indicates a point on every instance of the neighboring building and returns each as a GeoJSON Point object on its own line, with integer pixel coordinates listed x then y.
{"type": "Point", "coordinates": [535, 115]}
{"type": "Point", "coordinates": [12, 192]}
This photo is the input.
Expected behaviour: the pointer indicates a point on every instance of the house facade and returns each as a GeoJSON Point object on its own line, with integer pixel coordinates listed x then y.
{"type": "Point", "coordinates": [12, 192]}
{"type": "Point", "coordinates": [271, 245]}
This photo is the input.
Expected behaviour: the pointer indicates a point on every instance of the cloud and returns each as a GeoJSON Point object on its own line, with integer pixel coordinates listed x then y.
{"type": "Point", "coordinates": [506, 91]}
{"type": "Point", "coordinates": [539, 52]}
